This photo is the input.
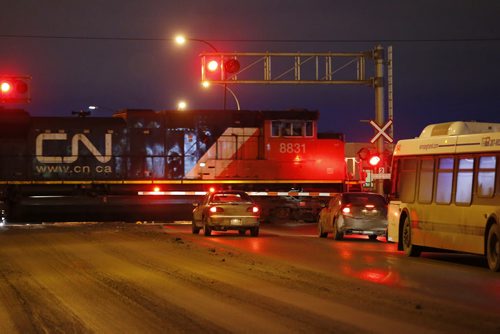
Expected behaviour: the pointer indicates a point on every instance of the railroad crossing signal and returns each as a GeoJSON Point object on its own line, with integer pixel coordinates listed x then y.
{"type": "Point", "coordinates": [381, 131]}
{"type": "Point", "coordinates": [289, 68]}
{"type": "Point", "coordinates": [14, 89]}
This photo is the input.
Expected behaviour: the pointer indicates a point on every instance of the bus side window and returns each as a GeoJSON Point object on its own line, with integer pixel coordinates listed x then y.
{"type": "Point", "coordinates": [407, 179]}
{"type": "Point", "coordinates": [426, 181]}
{"type": "Point", "coordinates": [486, 176]}
{"type": "Point", "coordinates": [444, 181]}
{"type": "Point", "coordinates": [464, 181]}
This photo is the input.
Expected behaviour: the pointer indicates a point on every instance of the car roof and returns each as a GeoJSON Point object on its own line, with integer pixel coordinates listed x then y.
{"type": "Point", "coordinates": [229, 192]}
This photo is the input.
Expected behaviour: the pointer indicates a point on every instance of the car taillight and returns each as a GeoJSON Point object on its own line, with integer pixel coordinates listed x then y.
{"type": "Point", "coordinates": [215, 209]}
{"type": "Point", "coordinates": [253, 209]}
{"type": "Point", "coordinates": [369, 206]}
{"type": "Point", "coordinates": [346, 210]}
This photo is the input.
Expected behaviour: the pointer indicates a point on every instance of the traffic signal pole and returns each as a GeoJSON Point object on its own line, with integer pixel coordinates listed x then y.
{"type": "Point", "coordinates": [378, 84]}
{"type": "Point", "coordinates": [310, 68]}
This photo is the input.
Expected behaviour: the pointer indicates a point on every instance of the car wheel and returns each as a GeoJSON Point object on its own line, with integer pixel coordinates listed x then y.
{"type": "Point", "coordinates": [206, 229]}
{"type": "Point", "coordinates": [195, 229]}
{"type": "Point", "coordinates": [254, 231]}
{"type": "Point", "coordinates": [336, 234]}
{"type": "Point", "coordinates": [408, 247]}
{"type": "Point", "coordinates": [321, 234]}
{"type": "Point", "coordinates": [282, 213]}
{"type": "Point", "coordinates": [372, 237]}
{"type": "Point", "coordinates": [493, 248]}
{"type": "Point", "coordinates": [241, 232]}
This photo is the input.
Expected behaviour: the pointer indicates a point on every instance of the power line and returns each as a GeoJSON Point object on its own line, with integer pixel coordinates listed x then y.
{"type": "Point", "coordinates": [354, 40]}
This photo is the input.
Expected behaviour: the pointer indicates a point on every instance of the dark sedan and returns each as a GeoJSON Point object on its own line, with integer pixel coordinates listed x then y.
{"type": "Point", "coordinates": [354, 213]}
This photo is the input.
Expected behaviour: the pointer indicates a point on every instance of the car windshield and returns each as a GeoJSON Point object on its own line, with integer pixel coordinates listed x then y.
{"type": "Point", "coordinates": [230, 197]}
{"type": "Point", "coordinates": [363, 199]}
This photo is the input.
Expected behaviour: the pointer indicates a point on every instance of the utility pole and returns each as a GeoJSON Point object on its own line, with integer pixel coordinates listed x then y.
{"type": "Point", "coordinates": [378, 84]}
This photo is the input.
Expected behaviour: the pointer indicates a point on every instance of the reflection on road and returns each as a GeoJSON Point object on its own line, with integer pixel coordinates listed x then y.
{"type": "Point", "coordinates": [453, 277]}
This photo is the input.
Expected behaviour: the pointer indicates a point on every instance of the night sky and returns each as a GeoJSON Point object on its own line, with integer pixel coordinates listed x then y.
{"type": "Point", "coordinates": [446, 55]}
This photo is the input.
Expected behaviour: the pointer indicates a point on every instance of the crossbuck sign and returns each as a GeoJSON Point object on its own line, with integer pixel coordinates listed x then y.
{"type": "Point", "coordinates": [381, 131]}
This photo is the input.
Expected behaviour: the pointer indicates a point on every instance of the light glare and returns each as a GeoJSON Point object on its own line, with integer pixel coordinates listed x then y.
{"type": "Point", "coordinates": [180, 39]}
{"type": "Point", "coordinates": [5, 87]}
{"type": "Point", "coordinates": [182, 105]}
{"type": "Point", "coordinates": [213, 65]}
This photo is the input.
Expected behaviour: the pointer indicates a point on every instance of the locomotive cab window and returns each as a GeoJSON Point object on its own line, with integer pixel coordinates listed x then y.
{"type": "Point", "coordinates": [290, 128]}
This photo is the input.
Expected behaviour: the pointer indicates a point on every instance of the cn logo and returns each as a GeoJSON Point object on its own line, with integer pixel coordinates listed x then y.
{"type": "Point", "coordinates": [45, 138]}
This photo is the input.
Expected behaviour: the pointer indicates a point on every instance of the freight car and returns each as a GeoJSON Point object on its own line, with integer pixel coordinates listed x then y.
{"type": "Point", "coordinates": [145, 164]}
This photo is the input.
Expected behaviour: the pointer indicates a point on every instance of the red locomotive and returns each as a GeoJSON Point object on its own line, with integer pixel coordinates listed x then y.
{"type": "Point", "coordinates": [102, 165]}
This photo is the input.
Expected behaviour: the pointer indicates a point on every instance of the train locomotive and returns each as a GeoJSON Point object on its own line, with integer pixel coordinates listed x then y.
{"type": "Point", "coordinates": [112, 167]}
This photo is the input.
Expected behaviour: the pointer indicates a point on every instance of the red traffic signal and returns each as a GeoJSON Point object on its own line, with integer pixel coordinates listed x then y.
{"type": "Point", "coordinates": [217, 67]}
{"type": "Point", "coordinates": [374, 160]}
{"type": "Point", "coordinates": [232, 66]}
{"type": "Point", "coordinates": [15, 89]}
{"type": "Point", "coordinates": [213, 65]}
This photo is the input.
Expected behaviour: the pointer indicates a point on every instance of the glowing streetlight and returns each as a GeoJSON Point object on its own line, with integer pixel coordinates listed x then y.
{"type": "Point", "coordinates": [181, 105]}
{"type": "Point", "coordinates": [180, 39]}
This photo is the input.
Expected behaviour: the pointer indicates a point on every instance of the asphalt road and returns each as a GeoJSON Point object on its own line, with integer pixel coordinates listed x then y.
{"type": "Point", "coordinates": [115, 277]}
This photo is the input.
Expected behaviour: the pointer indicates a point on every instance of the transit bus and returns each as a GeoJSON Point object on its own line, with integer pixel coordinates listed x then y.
{"type": "Point", "coordinates": [445, 191]}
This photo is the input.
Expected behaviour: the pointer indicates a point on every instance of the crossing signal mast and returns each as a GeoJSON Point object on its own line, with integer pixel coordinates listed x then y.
{"type": "Point", "coordinates": [323, 68]}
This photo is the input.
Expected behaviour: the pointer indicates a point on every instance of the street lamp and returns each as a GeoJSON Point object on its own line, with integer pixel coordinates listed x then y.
{"type": "Point", "coordinates": [181, 40]}
{"type": "Point", "coordinates": [181, 105]}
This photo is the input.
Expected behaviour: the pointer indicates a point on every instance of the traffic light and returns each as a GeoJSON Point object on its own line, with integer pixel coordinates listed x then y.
{"type": "Point", "coordinates": [213, 65]}
{"type": "Point", "coordinates": [232, 66]}
{"type": "Point", "coordinates": [211, 69]}
{"type": "Point", "coordinates": [374, 160]}
{"type": "Point", "coordinates": [371, 157]}
{"type": "Point", "coordinates": [15, 89]}
{"type": "Point", "coordinates": [218, 67]}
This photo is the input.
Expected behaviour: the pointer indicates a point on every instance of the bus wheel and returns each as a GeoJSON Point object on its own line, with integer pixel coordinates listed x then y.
{"type": "Point", "coordinates": [493, 248]}
{"type": "Point", "coordinates": [408, 247]}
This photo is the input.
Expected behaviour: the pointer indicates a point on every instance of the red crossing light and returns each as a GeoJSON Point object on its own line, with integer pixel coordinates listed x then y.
{"type": "Point", "coordinates": [232, 66]}
{"type": "Point", "coordinates": [5, 87]}
{"type": "Point", "coordinates": [213, 65]}
{"type": "Point", "coordinates": [15, 89]}
{"type": "Point", "coordinates": [374, 160]}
